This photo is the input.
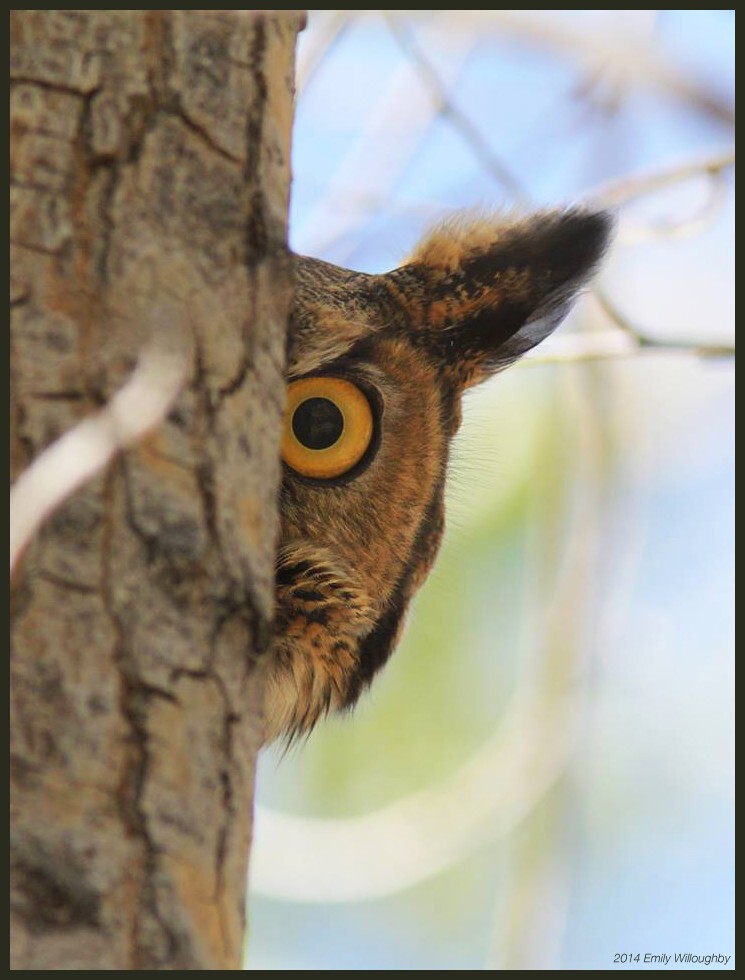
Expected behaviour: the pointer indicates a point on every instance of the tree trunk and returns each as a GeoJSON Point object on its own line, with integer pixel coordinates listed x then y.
{"type": "Point", "coordinates": [150, 176]}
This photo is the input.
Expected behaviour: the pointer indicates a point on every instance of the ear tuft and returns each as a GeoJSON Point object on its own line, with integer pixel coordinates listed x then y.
{"type": "Point", "coordinates": [483, 292]}
{"type": "Point", "coordinates": [560, 248]}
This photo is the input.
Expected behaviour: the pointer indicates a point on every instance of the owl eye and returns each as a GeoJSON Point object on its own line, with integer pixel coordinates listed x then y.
{"type": "Point", "coordinates": [328, 427]}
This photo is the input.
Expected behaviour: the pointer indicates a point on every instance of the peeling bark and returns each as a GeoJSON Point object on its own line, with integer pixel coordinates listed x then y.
{"type": "Point", "coordinates": [149, 192]}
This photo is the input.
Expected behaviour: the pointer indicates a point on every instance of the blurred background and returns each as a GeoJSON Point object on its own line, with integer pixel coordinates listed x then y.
{"type": "Point", "coordinates": [542, 777]}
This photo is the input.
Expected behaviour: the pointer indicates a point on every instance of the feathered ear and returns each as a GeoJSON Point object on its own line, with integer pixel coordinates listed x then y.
{"type": "Point", "coordinates": [479, 294]}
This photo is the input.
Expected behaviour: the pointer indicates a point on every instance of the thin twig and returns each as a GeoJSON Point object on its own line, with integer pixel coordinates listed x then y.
{"type": "Point", "coordinates": [644, 341]}
{"type": "Point", "coordinates": [334, 219]}
{"type": "Point", "coordinates": [618, 192]}
{"type": "Point", "coordinates": [615, 344]}
{"type": "Point", "coordinates": [447, 108]}
{"type": "Point", "coordinates": [638, 58]}
{"type": "Point", "coordinates": [316, 45]}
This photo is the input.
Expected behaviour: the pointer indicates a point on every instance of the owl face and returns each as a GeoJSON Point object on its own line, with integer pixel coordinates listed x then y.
{"type": "Point", "coordinates": [377, 368]}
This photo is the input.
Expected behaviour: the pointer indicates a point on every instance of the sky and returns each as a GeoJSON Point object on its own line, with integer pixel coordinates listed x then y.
{"type": "Point", "coordinates": [587, 576]}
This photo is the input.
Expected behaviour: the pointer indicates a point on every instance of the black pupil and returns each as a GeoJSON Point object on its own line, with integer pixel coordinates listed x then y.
{"type": "Point", "coordinates": [317, 423]}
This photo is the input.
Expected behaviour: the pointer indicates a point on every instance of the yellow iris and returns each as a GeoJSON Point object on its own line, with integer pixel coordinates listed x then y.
{"type": "Point", "coordinates": [328, 427]}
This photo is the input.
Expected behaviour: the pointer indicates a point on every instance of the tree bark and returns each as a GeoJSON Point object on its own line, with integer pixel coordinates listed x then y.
{"type": "Point", "coordinates": [149, 193]}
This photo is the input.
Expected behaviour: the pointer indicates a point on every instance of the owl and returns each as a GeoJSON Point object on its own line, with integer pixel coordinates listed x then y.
{"type": "Point", "coordinates": [377, 367]}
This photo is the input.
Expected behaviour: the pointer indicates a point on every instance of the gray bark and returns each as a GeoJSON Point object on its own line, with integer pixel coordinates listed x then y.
{"type": "Point", "coordinates": [149, 193]}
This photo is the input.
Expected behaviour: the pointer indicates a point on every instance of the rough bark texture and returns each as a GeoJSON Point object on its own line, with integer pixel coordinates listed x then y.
{"type": "Point", "coordinates": [150, 174]}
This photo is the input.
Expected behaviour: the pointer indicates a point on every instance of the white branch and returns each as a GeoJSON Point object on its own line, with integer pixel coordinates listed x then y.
{"type": "Point", "coordinates": [307, 859]}
{"type": "Point", "coordinates": [78, 455]}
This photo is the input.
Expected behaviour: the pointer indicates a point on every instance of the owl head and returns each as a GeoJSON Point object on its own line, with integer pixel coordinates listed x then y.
{"type": "Point", "coordinates": [377, 368]}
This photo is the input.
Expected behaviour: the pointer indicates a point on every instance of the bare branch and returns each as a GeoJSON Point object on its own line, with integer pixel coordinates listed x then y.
{"type": "Point", "coordinates": [447, 108]}
{"type": "Point", "coordinates": [615, 344]}
{"type": "Point", "coordinates": [627, 189]}
{"type": "Point", "coordinates": [335, 216]}
{"type": "Point", "coordinates": [633, 58]}
{"type": "Point", "coordinates": [644, 341]}
{"type": "Point", "coordinates": [319, 43]}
